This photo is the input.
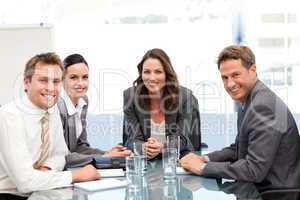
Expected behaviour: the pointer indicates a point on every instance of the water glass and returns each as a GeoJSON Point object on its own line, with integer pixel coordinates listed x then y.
{"type": "Point", "coordinates": [173, 141]}
{"type": "Point", "coordinates": [170, 190]}
{"type": "Point", "coordinates": [134, 171]}
{"type": "Point", "coordinates": [169, 158]}
{"type": "Point", "coordinates": [139, 150]}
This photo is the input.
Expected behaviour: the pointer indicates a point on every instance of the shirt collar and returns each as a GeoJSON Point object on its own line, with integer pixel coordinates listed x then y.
{"type": "Point", "coordinates": [69, 104]}
{"type": "Point", "coordinates": [25, 105]}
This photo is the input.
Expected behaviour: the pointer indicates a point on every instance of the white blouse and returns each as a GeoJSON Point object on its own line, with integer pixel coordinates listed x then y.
{"type": "Point", "coordinates": [158, 131]}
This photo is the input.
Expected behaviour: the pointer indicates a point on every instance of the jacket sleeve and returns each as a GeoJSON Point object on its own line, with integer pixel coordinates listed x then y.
{"type": "Point", "coordinates": [226, 154]}
{"type": "Point", "coordinates": [263, 141]}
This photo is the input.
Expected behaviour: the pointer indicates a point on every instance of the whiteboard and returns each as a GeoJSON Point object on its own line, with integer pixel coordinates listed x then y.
{"type": "Point", "coordinates": [17, 45]}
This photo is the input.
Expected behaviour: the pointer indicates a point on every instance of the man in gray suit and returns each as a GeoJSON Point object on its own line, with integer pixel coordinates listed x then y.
{"type": "Point", "coordinates": [266, 150]}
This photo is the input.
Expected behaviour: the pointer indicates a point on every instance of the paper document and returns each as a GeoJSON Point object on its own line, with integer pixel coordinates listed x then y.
{"type": "Point", "coordinates": [181, 171]}
{"type": "Point", "coordinates": [106, 173]}
{"type": "Point", "coordinates": [103, 184]}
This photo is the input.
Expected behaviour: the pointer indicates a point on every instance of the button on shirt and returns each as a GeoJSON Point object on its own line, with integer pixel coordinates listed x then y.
{"type": "Point", "coordinates": [72, 110]}
{"type": "Point", "coordinates": [20, 147]}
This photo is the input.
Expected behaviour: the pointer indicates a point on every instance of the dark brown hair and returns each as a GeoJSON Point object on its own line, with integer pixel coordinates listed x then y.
{"type": "Point", "coordinates": [72, 60]}
{"type": "Point", "coordinates": [44, 58]}
{"type": "Point", "coordinates": [171, 88]}
{"type": "Point", "coordinates": [237, 52]}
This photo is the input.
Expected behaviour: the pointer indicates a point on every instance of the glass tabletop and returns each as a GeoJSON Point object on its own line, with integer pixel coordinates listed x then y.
{"type": "Point", "coordinates": [153, 186]}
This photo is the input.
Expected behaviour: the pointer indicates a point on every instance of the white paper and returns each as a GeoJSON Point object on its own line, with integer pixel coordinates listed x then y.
{"type": "Point", "coordinates": [181, 171]}
{"type": "Point", "coordinates": [119, 193]}
{"type": "Point", "coordinates": [103, 184]}
{"type": "Point", "coordinates": [106, 173]}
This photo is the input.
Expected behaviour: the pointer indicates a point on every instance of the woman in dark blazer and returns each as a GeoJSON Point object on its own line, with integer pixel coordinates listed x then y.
{"type": "Point", "coordinates": [73, 106]}
{"type": "Point", "coordinates": [157, 106]}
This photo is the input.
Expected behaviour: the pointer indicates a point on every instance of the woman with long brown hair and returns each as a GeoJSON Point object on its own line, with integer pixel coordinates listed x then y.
{"type": "Point", "coordinates": [157, 106]}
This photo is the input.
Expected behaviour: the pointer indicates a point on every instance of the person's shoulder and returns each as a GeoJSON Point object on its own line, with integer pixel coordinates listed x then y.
{"type": "Point", "coordinates": [263, 99]}
{"type": "Point", "coordinates": [10, 110]}
{"type": "Point", "coordinates": [262, 95]}
{"type": "Point", "coordinates": [186, 93]}
{"type": "Point", "coordinates": [129, 92]}
{"type": "Point", "coordinates": [184, 90]}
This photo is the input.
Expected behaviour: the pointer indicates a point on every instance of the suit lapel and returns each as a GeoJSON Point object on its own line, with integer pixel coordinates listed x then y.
{"type": "Point", "coordinates": [145, 122]}
{"type": "Point", "coordinates": [241, 114]}
{"type": "Point", "coordinates": [72, 132]}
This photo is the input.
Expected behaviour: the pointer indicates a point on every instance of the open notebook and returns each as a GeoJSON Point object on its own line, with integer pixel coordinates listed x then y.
{"type": "Point", "coordinates": [103, 184]}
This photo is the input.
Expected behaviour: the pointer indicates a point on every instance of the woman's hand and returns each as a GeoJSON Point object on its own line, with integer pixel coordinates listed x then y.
{"type": "Point", "coordinates": [118, 151]}
{"type": "Point", "coordinates": [153, 148]}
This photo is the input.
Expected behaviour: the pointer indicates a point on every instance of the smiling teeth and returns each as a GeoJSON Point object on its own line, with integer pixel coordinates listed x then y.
{"type": "Point", "coordinates": [50, 97]}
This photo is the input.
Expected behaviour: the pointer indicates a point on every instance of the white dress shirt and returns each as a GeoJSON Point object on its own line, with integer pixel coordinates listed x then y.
{"type": "Point", "coordinates": [72, 110]}
{"type": "Point", "coordinates": [20, 147]}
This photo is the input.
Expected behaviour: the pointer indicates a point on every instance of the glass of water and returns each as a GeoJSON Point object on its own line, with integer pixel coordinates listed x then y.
{"type": "Point", "coordinates": [139, 150]}
{"type": "Point", "coordinates": [173, 141]}
{"type": "Point", "coordinates": [169, 158]}
{"type": "Point", "coordinates": [134, 171]}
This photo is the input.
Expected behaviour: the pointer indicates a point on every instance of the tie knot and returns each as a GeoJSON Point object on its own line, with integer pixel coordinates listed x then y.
{"type": "Point", "coordinates": [45, 118]}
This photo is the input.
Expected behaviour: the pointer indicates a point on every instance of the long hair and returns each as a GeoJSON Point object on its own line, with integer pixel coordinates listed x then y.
{"type": "Point", "coordinates": [171, 88]}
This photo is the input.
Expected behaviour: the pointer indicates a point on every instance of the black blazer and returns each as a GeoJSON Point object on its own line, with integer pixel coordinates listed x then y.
{"type": "Point", "coordinates": [184, 121]}
{"type": "Point", "coordinates": [267, 147]}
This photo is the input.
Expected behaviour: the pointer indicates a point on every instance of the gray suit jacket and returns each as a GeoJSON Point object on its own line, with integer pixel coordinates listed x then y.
{"type": "Point", "coordinates": [184, 121]}
{"type": "Point", "coordinates": [81, 152]}
{"type": "Point", "coordinates": [267, 147]}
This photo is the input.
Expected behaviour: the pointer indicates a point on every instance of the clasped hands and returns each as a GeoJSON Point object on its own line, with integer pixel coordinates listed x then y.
{"type": "Point", "coordinates": [152, 147]}
{"type": "Point", "coordinates": [194, 163]}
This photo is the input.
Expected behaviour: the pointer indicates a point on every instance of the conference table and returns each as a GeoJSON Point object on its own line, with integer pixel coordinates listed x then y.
{"type": "Point", "coordinates": [153, 186]}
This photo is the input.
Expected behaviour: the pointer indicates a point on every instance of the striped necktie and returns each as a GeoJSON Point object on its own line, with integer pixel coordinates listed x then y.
{"type": "Point", "coordinates": [45, 142]}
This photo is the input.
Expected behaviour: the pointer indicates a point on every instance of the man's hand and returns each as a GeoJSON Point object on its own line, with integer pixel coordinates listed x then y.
{"type": "Point", "coordinates": [86, 173]}
{"type": "Point", "coordinates": [118, 151]}
{"type": "Point", "coordinates": [44, 168]}
{"type": "Point", "coordinates": [205, 158]}
{"type": "Point", "coordinates": [193, 163]}
{"type": "Point", "coordinates": [152, 148]}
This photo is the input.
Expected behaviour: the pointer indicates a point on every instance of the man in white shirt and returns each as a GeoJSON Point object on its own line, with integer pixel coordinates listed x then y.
{"type": "Point", "coordinates": [28, 161]}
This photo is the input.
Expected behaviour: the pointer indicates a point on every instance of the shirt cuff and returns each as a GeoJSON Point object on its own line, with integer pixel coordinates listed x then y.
{"type": "Point", "coordinates": [68, 178]}
{"type": "Point", "coordinates": [202, 168]}
{"type": "Point", "coordinates": [206, 158]}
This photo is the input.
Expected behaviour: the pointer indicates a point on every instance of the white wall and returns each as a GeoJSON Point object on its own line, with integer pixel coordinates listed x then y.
{"type": "Point", "coordinates": [17, 45]}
